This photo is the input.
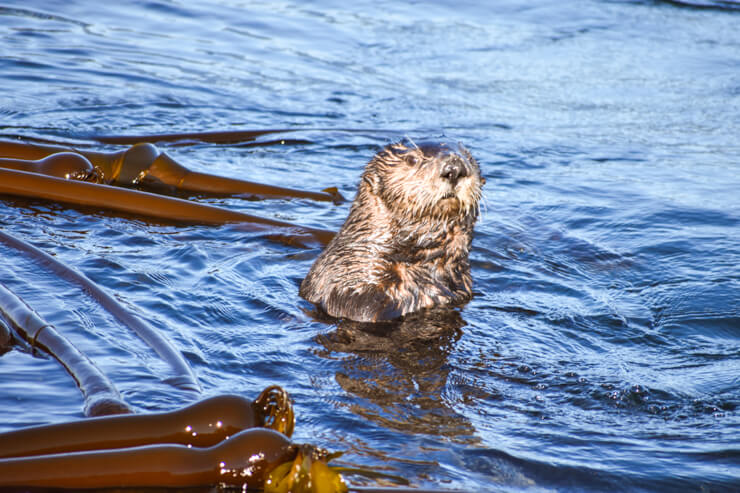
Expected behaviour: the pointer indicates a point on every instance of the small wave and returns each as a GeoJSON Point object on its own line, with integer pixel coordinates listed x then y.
{"type": "Point", "coordinates": [33, 14]}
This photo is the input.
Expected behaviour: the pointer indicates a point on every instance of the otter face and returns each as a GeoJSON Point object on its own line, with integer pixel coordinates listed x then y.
{"type": "Point", "coordinates": [428, 179]}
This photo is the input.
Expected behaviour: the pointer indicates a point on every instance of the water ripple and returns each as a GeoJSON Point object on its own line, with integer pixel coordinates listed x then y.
{"type": "Point", "coordinates": [600, 351]}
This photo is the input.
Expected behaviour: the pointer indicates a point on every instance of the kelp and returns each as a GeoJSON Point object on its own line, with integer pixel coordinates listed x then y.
{"type": "Point", "coordinates": [243, 459]}
{"type": "Point", "coordinates": [217, 441]}
{"type": "Point", "coordinates": [203, 424]}
{"type": "Point", "coordinates": [33, 185]}
{"type": "Point", "coordinates": [213, 137]}
{"type": "Point", "coordinates": [101, 396]}
{"type": "Point", "coordinates": [95, 179]}
{"type": "Point", "coordinates": [145, 166]}
{"type": "Point", "coordinates": [183, 378]}
{"type": "Point", "coordinates": [307, 473]}
{"type": "Point", "coordinates": [67, 165]}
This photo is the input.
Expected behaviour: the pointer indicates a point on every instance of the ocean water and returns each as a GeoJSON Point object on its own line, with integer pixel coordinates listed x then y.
{"type": "Point", "coordinates": [601, 351]}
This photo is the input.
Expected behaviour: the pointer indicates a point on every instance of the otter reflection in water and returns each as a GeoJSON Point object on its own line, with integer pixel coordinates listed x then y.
{"type": "Point", "coordinates": [404, 246]}
{"type": "Point", "coordinates": [400, 370]}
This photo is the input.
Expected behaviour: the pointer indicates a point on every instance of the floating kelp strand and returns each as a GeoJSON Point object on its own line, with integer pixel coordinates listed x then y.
{"type": "Point", "coordinates": [242, 460]}
{"type": "Point", "coordinates": [275, 410]}
{"type": "Point", "coordinates": [67, 165]}
{"type": "Point", "coordinates": [184, 377]}
{"type": "Point", "coordinates": [32, 185]}
{"type": "Point", "coordinates": [215, 137]}
{"type": "Point", "coordinates": [144, 165]}
{"type": "Point", "coordinates": [101, 397]}
{"type": "Point", "coordinates": [203, 424]}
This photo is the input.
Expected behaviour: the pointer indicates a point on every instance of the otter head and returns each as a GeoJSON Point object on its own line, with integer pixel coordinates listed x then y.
{"type": "Point", "coordinates": [425, 180]}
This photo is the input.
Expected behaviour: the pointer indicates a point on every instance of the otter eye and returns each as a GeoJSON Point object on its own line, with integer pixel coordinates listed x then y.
{"type": "Point", "coordinates": [412, 160]}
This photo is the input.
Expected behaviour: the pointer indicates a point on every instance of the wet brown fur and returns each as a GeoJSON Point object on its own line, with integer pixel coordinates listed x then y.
{"type": "Point", "coordinates": [404, 246]}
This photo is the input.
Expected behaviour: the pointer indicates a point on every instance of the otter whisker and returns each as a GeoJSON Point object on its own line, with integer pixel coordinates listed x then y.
{"type": "Point", "coordinates": [482, 206]}
{"type": "Point", "coordinates": [412, 142]}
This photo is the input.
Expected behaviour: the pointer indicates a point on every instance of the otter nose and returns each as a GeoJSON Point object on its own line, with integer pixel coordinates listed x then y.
{"type": "Point", "coordinates": [453, 169]}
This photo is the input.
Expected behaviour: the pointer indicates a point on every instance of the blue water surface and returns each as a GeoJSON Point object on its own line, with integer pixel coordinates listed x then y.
{"type": "Point", "coordinates": [601, 351]}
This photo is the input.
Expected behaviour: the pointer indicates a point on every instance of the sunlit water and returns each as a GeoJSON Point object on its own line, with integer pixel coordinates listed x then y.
{"type": "Point", "coordinates": [602, 348]}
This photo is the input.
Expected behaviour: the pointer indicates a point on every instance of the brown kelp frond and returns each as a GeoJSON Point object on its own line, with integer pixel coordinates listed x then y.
{"type": "Point", "coordinates": [275, 408]}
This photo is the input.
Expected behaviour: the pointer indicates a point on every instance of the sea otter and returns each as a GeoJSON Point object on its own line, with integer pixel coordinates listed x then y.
{"type": "Point", "coordinates": [404, 246]}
